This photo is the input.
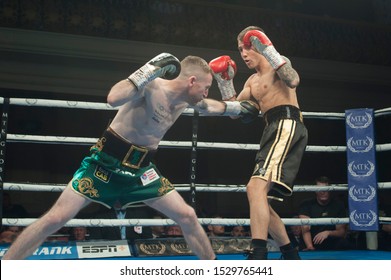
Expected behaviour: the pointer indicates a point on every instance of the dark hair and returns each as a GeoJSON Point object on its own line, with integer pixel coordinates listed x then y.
{"type": "Point", "coordinates": [323, 179]}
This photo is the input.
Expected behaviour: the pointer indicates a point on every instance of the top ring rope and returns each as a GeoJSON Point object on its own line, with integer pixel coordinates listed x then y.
{"type": "Point", "coordinates": [105, 106]}
{"type": "Point", "coordinates": [59, 103]}
{"type": "Point", "coordinates": [68, 104]}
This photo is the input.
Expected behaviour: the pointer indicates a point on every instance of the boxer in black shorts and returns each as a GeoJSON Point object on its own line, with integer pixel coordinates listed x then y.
{"type": "Point", "coordinates": [282, 146]}
{"type": "Point", "coordinates": [273, 89]}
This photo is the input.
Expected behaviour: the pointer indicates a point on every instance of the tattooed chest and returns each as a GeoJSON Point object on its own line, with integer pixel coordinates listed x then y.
{"type": "Point", "coordinates": [161, 114]}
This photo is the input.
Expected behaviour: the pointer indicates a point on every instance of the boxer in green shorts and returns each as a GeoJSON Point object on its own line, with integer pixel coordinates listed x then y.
{"type": "Point", "coordinates": [104, 179]}
{"type": "Point", "coordinates": [119, 169]}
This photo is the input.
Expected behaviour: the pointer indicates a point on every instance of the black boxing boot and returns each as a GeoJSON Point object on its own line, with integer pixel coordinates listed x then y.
{"type": "Point", "coordinates": [258, 250]}
{"type": "Point", "coordinates": [290, 253]}
{"type": "Point", "coordinates": [256, 254]}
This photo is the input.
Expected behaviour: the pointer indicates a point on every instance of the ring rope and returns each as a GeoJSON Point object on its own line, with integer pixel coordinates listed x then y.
{"type": "Point", "coordinates": [105, 106]}
{"type": "Point", "coordinates": [185, 187]}
{"type": "Point", "coordinates": [69, 104]}
{"type": "Point", "coordinates": [382, 112]}
{"type": "Point", "coordinates": [167, 222]}
{"type": "Point", "coordinates": [65, 140]}
{"type": "Point", "coordinates": [60, 104]}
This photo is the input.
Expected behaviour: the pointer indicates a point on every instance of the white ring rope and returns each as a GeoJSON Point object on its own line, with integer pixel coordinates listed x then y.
{"type": "Point", "coordinates": [105, 106]}
{"type": "Point", "coordinates": [68, 104]}
{"type": "Point", "coordinates": [185, 187]}
{"type": "Point", "coordinates": [382, 112]}
{"type": "Point", "coordinates": [167, 222]}
{"type": "Point", "coordinates": [60, 104]}
{"type": "Point", "coordinates": [178, 144]}
{"type": "Point", "coordinates": [167, 144]}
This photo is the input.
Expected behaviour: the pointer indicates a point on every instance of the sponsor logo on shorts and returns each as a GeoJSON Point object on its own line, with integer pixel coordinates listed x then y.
{"type": "Point", "coordinates": [149, 176]}
{"type": "Point", "coordinates": [102, 174]}
{"type": "Point", "coordinates": [165, 187]}
{"type": "Point", "coordinates": [259, 171]}
{"type": "Point", "coordinates": [86, 186]}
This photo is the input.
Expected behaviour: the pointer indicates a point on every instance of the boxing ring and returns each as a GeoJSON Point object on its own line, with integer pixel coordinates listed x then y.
{"type": "Point", "coordinates": [192, 187]}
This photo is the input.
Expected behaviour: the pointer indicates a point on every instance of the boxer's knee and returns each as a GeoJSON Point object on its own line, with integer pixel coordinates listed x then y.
{"type": "Point", "coordinates": [188, 217]}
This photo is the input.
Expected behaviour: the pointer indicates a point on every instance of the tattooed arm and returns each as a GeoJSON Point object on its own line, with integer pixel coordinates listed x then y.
{"type": "Point", "coordinates": [288, 74]}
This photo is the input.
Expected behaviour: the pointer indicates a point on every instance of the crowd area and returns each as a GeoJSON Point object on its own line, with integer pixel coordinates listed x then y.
{"type": "Point", "coordinates": [313, 34]}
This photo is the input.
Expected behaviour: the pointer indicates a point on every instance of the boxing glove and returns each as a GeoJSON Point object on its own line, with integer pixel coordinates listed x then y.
{"type": "Point", "coordinates": [224, 70]}
{"type": "Point", "coordinates": [263, 45]}
{"type": "Point", "coordinates": [164, 65]}
{"type": "Point", "coordinates": [247, 110]}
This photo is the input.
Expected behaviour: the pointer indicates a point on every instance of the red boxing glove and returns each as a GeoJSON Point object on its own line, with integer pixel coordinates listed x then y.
{"type": "Point", "coordinates": [224, 70]}
{"type": "Point", "coordinates": [224, 66]}
{"type": "Point", "coordinates": [256, 33]}
{"type": "Point", "coordinates": [263, 45]}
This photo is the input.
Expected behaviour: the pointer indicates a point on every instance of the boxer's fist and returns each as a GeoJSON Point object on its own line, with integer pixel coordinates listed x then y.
{"type": "Point", "coordinates": [224, 70]}
{"type": "Point", "coordinates": [250, 39]}
{"type": "Point", "coordinates": [224, 67]}
{"type": "Point", "coordinates": [165, 66]}
{"type": "Point", "coordinates": [263, 45]}
{"type": "Point", "coordinates": [247, 110]}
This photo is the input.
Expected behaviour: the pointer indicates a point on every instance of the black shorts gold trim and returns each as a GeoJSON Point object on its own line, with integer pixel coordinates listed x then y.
{"type": "Point", "coordinates": [283, 112]}
{"type": "Point", "coordinates": [282, 147]}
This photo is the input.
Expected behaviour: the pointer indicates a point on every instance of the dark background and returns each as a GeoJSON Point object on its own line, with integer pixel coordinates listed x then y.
{"type": "Point", "coordinates": [75, 50]}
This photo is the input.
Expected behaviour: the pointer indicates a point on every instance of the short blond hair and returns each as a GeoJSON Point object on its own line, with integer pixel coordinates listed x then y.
{"type": "Point", "coordinates": [192, 64]}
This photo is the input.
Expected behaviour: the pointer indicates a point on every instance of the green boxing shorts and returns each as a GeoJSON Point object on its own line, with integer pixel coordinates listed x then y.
{"type": "Point", "coordinates": [104, 179]}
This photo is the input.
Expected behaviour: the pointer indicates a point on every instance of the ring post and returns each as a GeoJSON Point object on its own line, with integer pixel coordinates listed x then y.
{"type": "Point", "coordinates": [362, 178]}
{"type": "Point", "coordinates": [3, 141]}
{"type": "Point", "coordinates": [193, 158]}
